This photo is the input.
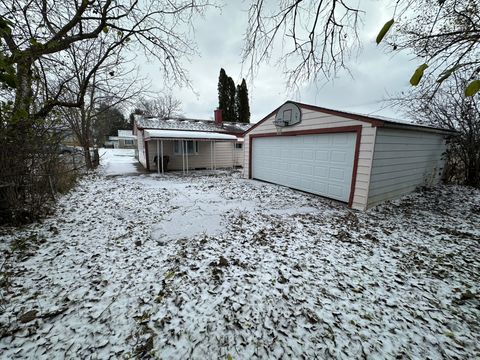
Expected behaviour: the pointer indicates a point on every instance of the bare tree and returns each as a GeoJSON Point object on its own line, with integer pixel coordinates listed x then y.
{"type": "Point", "coordinates": [445, 34]}
{"type": "Point", "coordinates": [449, 108]}
{"type": "Point", "coordinates": [317, 36]}
{"type": "Point", "coordinates": [163, 106]}
{"type": "Point", "coordinates": [116, 82]}
{"type": "Point", "coordinates": [39, 29]}
{"type": "Point", "coordinates": [35, 37]}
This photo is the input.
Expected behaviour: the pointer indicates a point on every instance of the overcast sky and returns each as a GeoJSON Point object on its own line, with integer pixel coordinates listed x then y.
{"type": "Point", "coordinates": [219, 38]}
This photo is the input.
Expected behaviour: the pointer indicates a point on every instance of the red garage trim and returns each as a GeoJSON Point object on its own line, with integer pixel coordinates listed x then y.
{"type": "Point", "coordinates": [356, 129]}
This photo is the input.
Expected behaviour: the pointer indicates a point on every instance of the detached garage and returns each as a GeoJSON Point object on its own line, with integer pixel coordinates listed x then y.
{"type": "Point", "coordinates": [356, 159]}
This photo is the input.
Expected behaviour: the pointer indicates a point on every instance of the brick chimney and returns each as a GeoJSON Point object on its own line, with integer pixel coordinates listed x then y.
{"type": "Point", "coordinates": [218, 116]}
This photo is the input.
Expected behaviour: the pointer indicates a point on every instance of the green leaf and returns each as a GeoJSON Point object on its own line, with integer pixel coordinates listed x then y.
{"type": "Point", "coordinates": [384, 31]}
{"type": "Point", "coordinates": [229, 357]}
{"type": "Point", "coordinates": [8, 79]}
{"type": "Point", "coordinates": [169, 274]}
{"type": "Point", "coordinates": [5, 26]}
{"type": "Point", "coordinates": [105, 29]}
{"type": "Point", "coordinates": [418, 74]}
{"type": "Point", "coordinates": [472, 88]}
{"type": "Point", "coordinates": [446, 74]}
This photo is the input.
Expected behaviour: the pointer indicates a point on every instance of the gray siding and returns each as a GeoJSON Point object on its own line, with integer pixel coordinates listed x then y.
{"type": "Point", "coordinates": [403, 160]}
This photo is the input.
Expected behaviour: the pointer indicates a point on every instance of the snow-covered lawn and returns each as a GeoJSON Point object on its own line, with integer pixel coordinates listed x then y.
{"type": "Point", "coordinates": [212, 265]}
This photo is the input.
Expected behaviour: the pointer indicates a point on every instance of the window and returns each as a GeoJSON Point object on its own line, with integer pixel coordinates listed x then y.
{"type": "Point", "coordinates": [128, 142]}
{"type": "Point", "coordinates": [238, 145]}
{"type": "Point", "coordinates": [190, 147]}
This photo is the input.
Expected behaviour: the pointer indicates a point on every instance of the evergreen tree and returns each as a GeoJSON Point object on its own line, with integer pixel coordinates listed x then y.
{"type": "Point", "coordinates": [227, 94]}
{"type": "Point", "coordinates": [223, 97]}
{"type": "Point", "coordinates": [242, 105]}
{"type": "Point", "coordinates": [231, 109]}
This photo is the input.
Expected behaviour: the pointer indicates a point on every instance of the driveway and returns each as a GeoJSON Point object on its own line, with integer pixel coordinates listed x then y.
{"type": "Point", "coordinates": [211, 265]}
{"type": "Point", "coordinates": [119, 162]}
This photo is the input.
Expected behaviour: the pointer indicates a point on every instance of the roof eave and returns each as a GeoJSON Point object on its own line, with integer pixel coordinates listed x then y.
{"type": "Point", "coordinates": [417, 127]}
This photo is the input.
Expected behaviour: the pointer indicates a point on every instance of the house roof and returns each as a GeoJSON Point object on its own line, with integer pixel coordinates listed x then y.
{"type": "Point", "coordinates": [197, 135]}
{"type": "Point", "coordinates": [126, 134]}
{"type": "Point", "coordinates": [378, 121]}
{"type": "Point", "coordinates": [190, 125]}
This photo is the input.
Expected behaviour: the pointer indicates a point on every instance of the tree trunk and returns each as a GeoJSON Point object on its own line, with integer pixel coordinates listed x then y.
{"type": "Point", "coordinates": [23, 95]}
{"type": "Point", "coordinates": [472, 177]}
{"type": "Point", "coordinates": [87, 156]}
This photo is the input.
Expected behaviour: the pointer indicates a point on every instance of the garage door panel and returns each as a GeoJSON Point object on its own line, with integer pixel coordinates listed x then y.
{"type": "Point", "coordinates": [335, 190]}
{"type": "Point", "coordinates": [296, 154]}
{"type": "Point", "coordinates": [337, 174]}
{"type": "Point", "coordinates": [321, 171]}
{"type": "Point", "coordinates": [323, 140]}
{"type": "Point", "coordinates": [340, 139]}
{"type": "Point", "coordinates": [306, 170]}
{"type": "Point", "coordinates": [322, 155]}
{"type": "Point", "coordinates": [338, 156]}
{"type": "Point", "coordinates": [307, 155]}
{"type": "Point", "coordinates": [320, 164]}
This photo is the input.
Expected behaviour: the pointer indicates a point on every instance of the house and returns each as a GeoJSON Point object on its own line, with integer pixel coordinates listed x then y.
{"type": "Point", "coordinates": [186, 144]}
{"type": "Point", "coordinates": [125, 139]}
{"type": "Point", "coordinates": [357, 159]}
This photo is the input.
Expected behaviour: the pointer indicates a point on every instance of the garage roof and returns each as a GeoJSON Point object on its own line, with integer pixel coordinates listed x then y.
{"type": "Point", "coordinates": [379, 121]}
{"type": "Point", "coordinates": [189, 135]}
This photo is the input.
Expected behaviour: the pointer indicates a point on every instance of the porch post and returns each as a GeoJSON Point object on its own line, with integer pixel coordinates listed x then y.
{"type": "Point", "coordinates": [211, 155]}
{"type": "Point", "coordinates": [214, 155]}
{"type": "Point", "coordinates": [162, 156]}
{"type": "Point", "coordinates": [158, 156]}
{"type": "Point", "coordinates": [183, 157]}
{"type": "Point", "coordinates": [233, 155]}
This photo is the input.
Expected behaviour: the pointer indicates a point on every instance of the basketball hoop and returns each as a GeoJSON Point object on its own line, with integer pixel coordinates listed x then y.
{"type": "Point", "coordinates": [279, 125]}
{"type": "Point", "coordinates": [288, 114]}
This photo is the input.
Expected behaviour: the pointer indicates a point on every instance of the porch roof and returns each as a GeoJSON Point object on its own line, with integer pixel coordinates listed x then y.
{"type": "Point", "coordinates": [187, 135]}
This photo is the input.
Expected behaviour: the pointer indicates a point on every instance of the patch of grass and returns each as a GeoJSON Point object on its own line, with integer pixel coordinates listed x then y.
{"type": "Point", "coordinates": [24, 244]}
{"type": "Point", "coordinates": [66, 179]}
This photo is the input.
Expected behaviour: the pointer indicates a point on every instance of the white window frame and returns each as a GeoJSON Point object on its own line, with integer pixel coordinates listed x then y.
{"type": "Point", "coordinates": [239, 146]}
{"type": "Point", "coordinates": [177, 147]}
{"type": "Point", "coordinates": [128, 142]}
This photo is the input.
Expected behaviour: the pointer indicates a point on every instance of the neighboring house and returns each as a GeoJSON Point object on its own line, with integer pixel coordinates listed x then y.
{"type": "Point", "coordinates": [186, 144]}
{"type": "Point", "coordinates": [112, 142]}
{"type": "Point", "coordinates": [361, 160]}
{"type": "Point", "coordinates": [125, 140]}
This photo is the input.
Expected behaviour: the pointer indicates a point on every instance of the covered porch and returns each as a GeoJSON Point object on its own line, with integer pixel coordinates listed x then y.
{"type": "Point", "coordinates": [189, 150]}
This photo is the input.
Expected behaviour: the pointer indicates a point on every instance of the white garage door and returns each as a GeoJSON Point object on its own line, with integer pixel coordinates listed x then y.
{"type": "Point", "coordinates": [320, 164]}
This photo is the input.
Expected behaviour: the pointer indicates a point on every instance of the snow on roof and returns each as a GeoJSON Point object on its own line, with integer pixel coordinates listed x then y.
{"type": "Point", "coordinates": [126, 134]}
{"type": "Point", "coordinates": [384, 119]}
{"type": "Point", "coordinates": [190, 124]}
{"type": "Point", "coordinates": [175, 134]}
